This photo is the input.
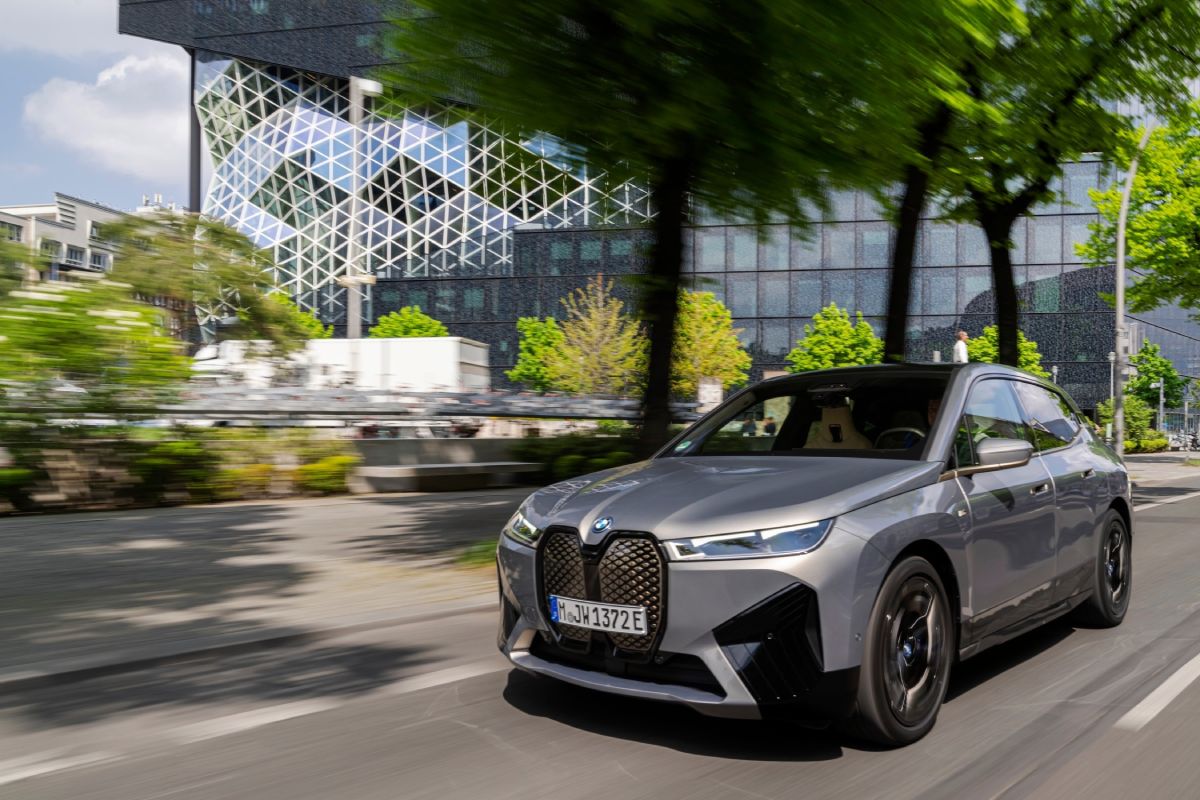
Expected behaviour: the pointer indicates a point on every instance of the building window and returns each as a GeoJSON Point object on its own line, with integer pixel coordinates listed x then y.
{"type": "Point", "coordinates": [99, 261]}
{"type": "Point", "coordinates": [75, 256]}
{"type": "Point", "coordinates": [589, 250]}
{"type": "Point", "coordinates": [50, 249]}
{"type": "Point", "coordinates": [10, 232]}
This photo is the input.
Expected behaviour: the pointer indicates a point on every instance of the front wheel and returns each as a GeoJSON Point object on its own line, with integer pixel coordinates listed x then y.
{"type": "Point", "coordinates": [906, 657]}
{"type": "Point", "coordinates": [1112, 579]}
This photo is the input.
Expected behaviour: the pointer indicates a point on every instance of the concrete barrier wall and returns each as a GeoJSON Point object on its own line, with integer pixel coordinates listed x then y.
{"type": "Point", "coordinates": [393, 452]}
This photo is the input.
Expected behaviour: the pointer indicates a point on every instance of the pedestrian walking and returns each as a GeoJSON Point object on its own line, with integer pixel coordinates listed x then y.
{"type": "Point", "coordinates": [960, 348]}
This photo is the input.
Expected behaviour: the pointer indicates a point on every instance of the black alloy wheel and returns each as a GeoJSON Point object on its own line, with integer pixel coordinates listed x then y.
{"type": "Point", "coordinates": [907, 655]}
{"type": "Point", "coordinates": [1112, 579]}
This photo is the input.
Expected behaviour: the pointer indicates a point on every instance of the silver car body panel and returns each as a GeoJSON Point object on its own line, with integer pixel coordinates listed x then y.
{"type": "Point", "coordinates": [1015, 553]}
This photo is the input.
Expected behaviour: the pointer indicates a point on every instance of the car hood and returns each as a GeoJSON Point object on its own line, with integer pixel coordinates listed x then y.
{"type": "Point", "coordinates": [675, 498]}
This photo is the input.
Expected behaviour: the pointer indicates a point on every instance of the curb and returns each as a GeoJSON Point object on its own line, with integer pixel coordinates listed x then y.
{"type": "Point", "coordinates": [82, 669]}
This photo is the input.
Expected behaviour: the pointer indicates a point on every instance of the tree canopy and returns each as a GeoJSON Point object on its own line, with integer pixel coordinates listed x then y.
{"type": "Point", "coordinates": [1152, 367]}
{"type": "Point", "coordinates": [305, 321]}
{"type": "Point", "coordinates": [1162, 235]}
{"type": "Point", "coordinates": [706, 345]}
{"type": "Point", "coordinates": [1055, 87]}
{"type": "Point", "coordinates": [747, 108]}
{"type": "Point", "coordinates": [407, 322]}
{"type": "Point", "coordinates": [832, 340]}
{"type": "Point", "coordinates": [537, 340]}
{"type": "Point", "coordinates": [206, 264]}
{"type": "Point", "coordinates": [986, 348]}
{"type": "Point", "coordinates": [602, 349]}
{"type": "Point", "coordinates": [89, 346]}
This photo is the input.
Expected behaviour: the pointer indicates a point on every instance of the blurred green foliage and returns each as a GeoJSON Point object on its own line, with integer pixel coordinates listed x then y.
{"type": "Point", "coordinates": [570, 456]}
{"type": "Point", "coordinates": [327, 476]}
{"type": "Point", "coordinates": [986, 348]}
{"type": "Point", "coordinates": [408, 322]}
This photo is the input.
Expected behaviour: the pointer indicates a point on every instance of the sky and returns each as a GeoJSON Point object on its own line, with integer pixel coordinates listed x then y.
{"type": "Point", "coordinates": [86, 111]}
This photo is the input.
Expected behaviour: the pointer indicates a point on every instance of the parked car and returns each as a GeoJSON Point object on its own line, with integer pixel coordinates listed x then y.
{"type": "Point", "coordinates": [899, 519]}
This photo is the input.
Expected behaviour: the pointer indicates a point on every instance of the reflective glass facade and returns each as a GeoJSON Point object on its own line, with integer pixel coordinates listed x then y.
{"type": "Point", "coordinates": [480, 229]}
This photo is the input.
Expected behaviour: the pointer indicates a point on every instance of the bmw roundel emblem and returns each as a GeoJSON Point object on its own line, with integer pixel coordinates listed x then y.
{"type": "Point", "coordinates": [602, 524]}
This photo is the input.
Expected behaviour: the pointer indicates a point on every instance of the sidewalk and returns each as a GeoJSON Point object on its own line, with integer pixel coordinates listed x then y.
{"type": "Point", "coordinates": [1156, 467]}
{"type": "Point", "coordinates": [82, 594]}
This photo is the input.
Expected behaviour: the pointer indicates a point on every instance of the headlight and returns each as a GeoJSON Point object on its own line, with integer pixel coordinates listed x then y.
{"type": "Point", "coordinates": [751, 544]}
{"type": "Point", "coordinates": [521, 529]}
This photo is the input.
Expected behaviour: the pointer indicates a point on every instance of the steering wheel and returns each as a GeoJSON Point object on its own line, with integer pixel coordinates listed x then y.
{"type": "Point", "coordinates": [919, 433]}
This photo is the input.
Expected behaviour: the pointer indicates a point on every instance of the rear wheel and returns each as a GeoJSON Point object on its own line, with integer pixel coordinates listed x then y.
{"type": "Point", "coordinates": [906, 657]}
{"type": "Point", "coordinates": [1112, 579]}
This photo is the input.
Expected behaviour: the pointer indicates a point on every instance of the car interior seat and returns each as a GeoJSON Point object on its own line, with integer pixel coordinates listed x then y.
{"type": "Point", "coordinates": [836, 431]}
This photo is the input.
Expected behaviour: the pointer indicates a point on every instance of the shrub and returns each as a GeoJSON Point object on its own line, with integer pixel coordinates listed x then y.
{"type": "Point", "coordinates": [183, 465]}
{"type": "Point", "coordinates": [15, 485]}
{"type": "Point", "coordinates": [1151, 445]}
{"type": "Point", "coordinates": [327, 476]}
{"type": "Point", "coordinates": [569, 465]}
{"type": "Point", "coordinates": [570, 456]}
{"type": "Point", "coordinates": [241, 483]}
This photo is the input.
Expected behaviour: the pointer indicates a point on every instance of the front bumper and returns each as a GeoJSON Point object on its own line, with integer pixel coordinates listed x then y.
{"type": "Point", "coordinates": [749, 639]}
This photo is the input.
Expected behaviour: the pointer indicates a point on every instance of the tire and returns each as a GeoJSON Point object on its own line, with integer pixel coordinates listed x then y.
{"type": "Point", "coordinates": [1112, 578]}
{"type": "Point", "coordinates": [910, 645]}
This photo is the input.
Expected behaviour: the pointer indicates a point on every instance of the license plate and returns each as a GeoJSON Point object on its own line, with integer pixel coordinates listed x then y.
{"type": "Point", "coordinates": [598, 616]}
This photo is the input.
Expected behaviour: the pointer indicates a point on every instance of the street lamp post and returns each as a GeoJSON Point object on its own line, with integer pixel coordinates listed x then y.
{"type": "Point", "coordinates": [356, 276]}
{"type": "Point", "coordinates": [1054, 373]}
{"type": "Point", "coordinates": [1112, 381]}
{"type": "Point", "coordinates": [1121, 338]}
{"type": "Point", "coordinates": [1160, 384]}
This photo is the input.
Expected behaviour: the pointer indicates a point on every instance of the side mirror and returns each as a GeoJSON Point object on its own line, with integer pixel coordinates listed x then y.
{"type": "Point", "coordinates": [1000, 453]}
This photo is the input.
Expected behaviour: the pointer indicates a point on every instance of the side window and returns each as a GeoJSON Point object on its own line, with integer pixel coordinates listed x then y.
{"type": "Point", "coordinates": [1050, 418]}
{"type": "Point", "coordinates": [991, 413]}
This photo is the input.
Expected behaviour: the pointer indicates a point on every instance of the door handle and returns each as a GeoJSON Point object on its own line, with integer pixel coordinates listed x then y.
{"type": "Point", "coordinates": [1041, 488]}
{"type": "Point", "coordinates": [1089, 472]}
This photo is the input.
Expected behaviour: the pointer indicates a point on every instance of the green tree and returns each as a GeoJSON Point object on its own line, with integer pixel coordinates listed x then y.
{"type": "Point", "coordinates": [1162, 237]}
{"type": "Point", "coordinates": [602, 349]}
{"type": "Point", "coordinates": [538, 339]}
{"type": "Point", "coordinates": [986, 348]}
{"type": "Point", "coordinates": [304, 320]}
{"type": "Point", "coordinates": [13, 258]}
{"type": "Point", "coordinates": [706, 345]}
{"type": "Point", "coordinates": [746, 107]}
{"type": "Point", "coordinates": [1051, 93]}
{"type": "Point", "coordinates": [203, 264]}
{"type": "Point", "coordinates": [832, 340]}
{"type": "Point", "coordinates": [408, 322]}
{"type": "Point", "coordinates": [1138, 416]}
{"type": "Point", "coordinates": [1153, 367]}
{"type": "Point", "coordinates": [72, 347]}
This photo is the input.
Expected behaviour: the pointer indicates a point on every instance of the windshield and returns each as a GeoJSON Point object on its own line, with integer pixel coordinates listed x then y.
{"type": "Point", "coordinates": [877, 416]}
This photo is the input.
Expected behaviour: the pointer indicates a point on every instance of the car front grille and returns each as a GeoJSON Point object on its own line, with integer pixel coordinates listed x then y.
{"type": "Point", "coordinates": [626, 569]}
{"type": "Point", "coordinates": [562, 574]}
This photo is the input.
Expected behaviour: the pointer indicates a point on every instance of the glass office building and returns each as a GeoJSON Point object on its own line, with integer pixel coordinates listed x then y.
{"type": "Point", "coordinates": [479, 229]}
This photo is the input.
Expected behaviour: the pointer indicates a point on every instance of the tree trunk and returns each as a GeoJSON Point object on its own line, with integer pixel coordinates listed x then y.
{"type": "Point", "coordinates": [912, 203]}
{"type": "Point", "coordinates": [999, 232]}
{"type": "Point", "coordinates": [659, 300]}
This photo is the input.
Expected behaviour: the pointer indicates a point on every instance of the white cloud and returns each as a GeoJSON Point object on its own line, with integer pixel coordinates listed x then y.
{"type": "Point", "coordinates": [70, 29]}
{"type": "Point", "coordinates": [133, 120]}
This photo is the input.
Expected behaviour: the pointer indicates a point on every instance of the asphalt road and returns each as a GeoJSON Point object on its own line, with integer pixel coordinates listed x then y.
{"type": "Point", "coordinates": [429, 710]}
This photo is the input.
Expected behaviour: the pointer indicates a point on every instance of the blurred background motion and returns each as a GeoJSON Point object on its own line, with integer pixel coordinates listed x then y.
{"type": "Point", "coordinates": [434, 253]}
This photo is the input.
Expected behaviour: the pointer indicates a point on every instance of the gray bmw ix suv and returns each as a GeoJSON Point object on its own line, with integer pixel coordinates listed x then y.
{"type": "Point", "coordinates": [823, 547]}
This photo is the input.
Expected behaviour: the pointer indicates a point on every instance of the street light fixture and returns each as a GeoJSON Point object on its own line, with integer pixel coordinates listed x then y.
{"type": "Point", "coordinates": [356, 277]}
{"type": "Point", "coordinates": [1121, 337]}
{"type": "Point", "coordinates": [1054, 373]}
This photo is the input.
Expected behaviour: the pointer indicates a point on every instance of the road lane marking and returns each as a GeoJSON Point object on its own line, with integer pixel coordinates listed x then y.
{"type": "Point", "coordinates": [1167, 501]}
{"type": "Point", "coordinates": [19, 769]}
{"type": "Point", "coordinates": [248, 720]}
{"type": "Point", "coordinates": [1140, 715]}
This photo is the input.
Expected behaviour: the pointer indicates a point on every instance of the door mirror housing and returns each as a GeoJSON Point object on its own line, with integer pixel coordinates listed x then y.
{"type": "Point", "coordinates": [999, 454]}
